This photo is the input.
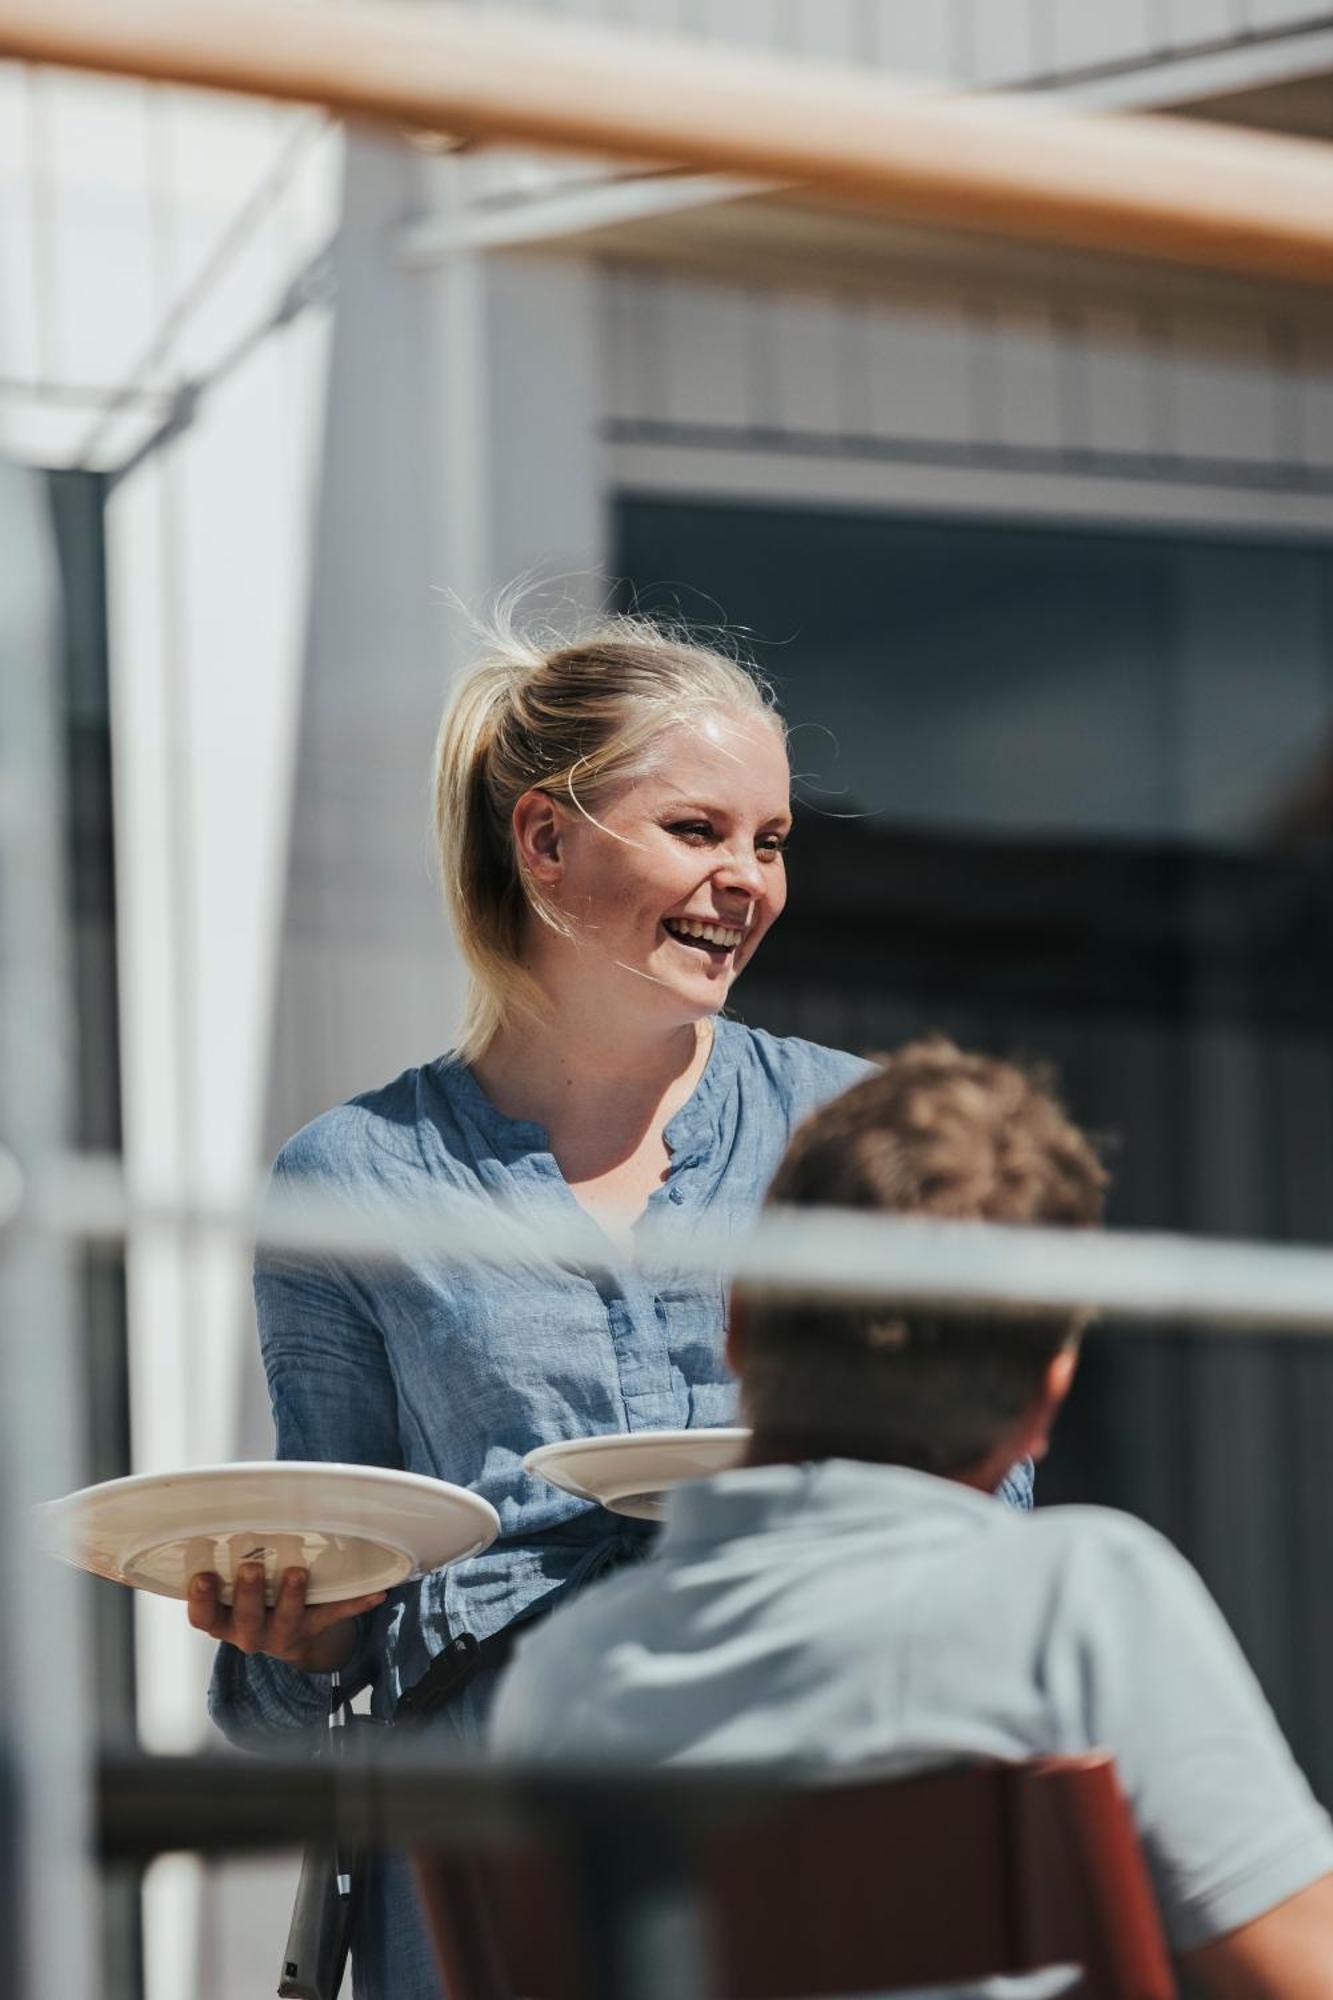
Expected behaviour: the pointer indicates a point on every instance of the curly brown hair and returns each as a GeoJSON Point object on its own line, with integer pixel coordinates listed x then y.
{"type": "Point", "coordinates": [935, 1131]}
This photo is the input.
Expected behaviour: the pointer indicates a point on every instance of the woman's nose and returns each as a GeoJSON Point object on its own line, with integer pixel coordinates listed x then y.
{"type": "Point", "coordinates": [739, 870]}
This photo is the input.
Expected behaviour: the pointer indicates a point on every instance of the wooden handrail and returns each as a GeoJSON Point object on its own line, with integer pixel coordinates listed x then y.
{"type": "Point", "coordinates": [1140, 185]}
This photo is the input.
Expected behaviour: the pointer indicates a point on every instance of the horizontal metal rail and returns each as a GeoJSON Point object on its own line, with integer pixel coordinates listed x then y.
{"type": "Point", "coordinates": [393, 1795]}
{"type": "Point", "coordinates": [1148, 186]}
{"type": "Point", "coordinates": [1139, 1278]}
{"type": "Point", "coordinates": [634, 1839]}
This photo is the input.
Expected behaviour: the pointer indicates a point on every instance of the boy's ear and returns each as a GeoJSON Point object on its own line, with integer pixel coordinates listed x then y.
{"type": "Point", "coordinates": [1059, 1377]}
{"type": "Point", "coordinates": [736, 1332]}
{"type": "Point", "coordinates": [1060, 1374]}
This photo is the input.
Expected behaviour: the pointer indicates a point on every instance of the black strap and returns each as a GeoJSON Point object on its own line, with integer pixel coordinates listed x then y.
{"type": "Point", "coordinates": [462, 1657]}
{"type": "Point", "coordinates": [450, 1670]}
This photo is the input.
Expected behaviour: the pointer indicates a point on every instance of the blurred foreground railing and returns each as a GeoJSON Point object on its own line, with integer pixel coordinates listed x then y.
{"type": "Point", "coordinates": [1139, 1278]}
{"type": "Point", "coordinates": [633, 1840]}
{"type": "Point", "coordinates": [392, 1795]}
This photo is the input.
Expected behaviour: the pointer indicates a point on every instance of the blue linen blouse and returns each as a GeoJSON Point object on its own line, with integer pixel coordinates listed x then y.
{"type": "Point", "coordinates": [456, 1369]}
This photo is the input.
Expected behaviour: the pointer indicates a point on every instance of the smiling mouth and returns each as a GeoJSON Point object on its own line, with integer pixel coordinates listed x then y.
{"type": "Point", "coordinates": [715, 941]}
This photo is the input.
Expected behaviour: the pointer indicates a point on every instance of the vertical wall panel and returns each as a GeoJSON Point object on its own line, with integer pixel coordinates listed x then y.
{"type": "Point", "coordinates": [1288, 392]}
{"type": "Point", "coordinates": [636, 376]}
{"type": "Point", "coordinates": [829, 28]}
{"type": "Point", "coordinates": [1224, 400]}
{"type": "Point", "coordinates": [18, 303]}
{"type": "Point", "coordinates": [705, 334]}
{"type": "Point", "coordinates": [918, 360]}
{"type": "Point", "coordinates": [1029, 359]}
{"type": "Point", "coordinates": [1003, 42]}
{"type": "Point", "coordinates": [925, 366]}
{"type": "Point", "coordinates": [618, 346]}
{"type": "Point", "coordinates": [1316, 407]}
{"type": "Point", "coordinates": [758, 23]}
{"type": "Point", "coordinates": [1116, 367]}
{"type": "Point", "coordinates": [806, 358]}
{"type": "Point", "coordinates": [1085, 36]}
{"type": "Point", "coordinates": [661, 17]}
{"type": "Point", "coordinates": [1263, 15]}
{"type": "Point", "coordinates": [914, 37]}
{"type": "Point", "coordinates": [986, 41]}
{"type": "Point", "coordinates": [1189, 22]}
{"type": "Point", "coordinates": [854, 406]}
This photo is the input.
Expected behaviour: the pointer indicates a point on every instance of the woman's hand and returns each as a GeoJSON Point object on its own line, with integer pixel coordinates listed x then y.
{"type": "Point", "coordinates": [317, 1638]}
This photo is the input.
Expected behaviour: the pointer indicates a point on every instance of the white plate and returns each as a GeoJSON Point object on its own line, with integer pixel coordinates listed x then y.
{"type": "Point", "coordinates": [631, 1472]}
{"type": "Point", "coordinates": [356, 1528]}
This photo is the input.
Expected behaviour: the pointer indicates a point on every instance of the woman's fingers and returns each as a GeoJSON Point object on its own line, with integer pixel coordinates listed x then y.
{"type": "Point", "coordinates": [286, 1624]}
{"type": "Point", "coordinates": [206, 1609]}
{"type": "Point", "coordinates": [249, 1613]}
{"type": "Point", "coordinates": [287, 1630]}
{"type": "Point", "coordinates": [319, 1617]}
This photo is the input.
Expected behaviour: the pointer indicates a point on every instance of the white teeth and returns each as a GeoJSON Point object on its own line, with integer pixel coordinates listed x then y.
{"type": "Point", "coordinates": [719, 934]}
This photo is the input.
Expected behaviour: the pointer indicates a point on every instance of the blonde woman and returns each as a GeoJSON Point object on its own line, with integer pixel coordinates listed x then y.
{"type": "Point", "coordinates": [612, 816]}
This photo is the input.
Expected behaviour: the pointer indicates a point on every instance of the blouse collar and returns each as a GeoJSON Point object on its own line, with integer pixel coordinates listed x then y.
{"type": "Point", "coordinates": [689, 1129]}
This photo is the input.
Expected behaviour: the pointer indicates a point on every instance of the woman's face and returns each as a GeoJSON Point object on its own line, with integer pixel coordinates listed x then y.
{"type": "Point", "coordinates": [672, 884]}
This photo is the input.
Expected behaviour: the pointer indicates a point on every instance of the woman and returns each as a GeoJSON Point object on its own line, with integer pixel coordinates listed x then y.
{"type": "Point", "coordinates": [612, 816]}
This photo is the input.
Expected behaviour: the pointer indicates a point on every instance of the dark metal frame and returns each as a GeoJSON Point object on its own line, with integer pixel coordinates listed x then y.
{"type": "Point", "coordinates": [394, 1795]}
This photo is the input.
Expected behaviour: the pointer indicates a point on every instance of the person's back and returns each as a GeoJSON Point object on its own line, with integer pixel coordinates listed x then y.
{"type": "Point", "coordinates": [854, 1598]}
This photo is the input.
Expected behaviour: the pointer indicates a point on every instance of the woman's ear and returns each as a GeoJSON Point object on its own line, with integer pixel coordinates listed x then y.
{"type": "Point", "coordinates": [538, 824]}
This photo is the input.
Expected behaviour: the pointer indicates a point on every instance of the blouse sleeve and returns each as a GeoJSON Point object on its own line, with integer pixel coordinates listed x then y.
{"type": "Point", "coordinates": [333, 1398]}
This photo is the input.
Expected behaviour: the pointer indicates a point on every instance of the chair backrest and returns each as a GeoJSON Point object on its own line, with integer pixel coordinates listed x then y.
{"type": "Point", "coordinates": [946, 1878]}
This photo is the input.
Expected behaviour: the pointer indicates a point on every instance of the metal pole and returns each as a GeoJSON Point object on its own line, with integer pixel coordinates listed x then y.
{"type": "Point", "coordinates": [47, 1924]}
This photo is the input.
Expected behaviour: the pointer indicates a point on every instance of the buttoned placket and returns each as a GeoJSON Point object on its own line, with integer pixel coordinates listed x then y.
{"type": "Point", "coordinates": [647, 1378]}
{"type": "Point", "coordinates": [636, 1317]}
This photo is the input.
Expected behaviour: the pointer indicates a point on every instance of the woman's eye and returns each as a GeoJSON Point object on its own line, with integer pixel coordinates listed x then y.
{"type": "Point", "coordinates": [701, 832]}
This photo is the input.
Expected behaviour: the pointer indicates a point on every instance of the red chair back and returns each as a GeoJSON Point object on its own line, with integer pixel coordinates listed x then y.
{"type": "Point", "coordinates": [946, 1878]}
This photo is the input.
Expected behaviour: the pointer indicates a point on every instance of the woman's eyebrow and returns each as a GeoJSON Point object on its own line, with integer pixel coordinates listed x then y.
{"type": "Point", "coordinates": [781, 818]}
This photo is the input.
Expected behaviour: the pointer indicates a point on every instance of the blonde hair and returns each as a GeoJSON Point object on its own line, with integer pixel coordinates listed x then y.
{"type": "Point", "coordinates": [571, 719]}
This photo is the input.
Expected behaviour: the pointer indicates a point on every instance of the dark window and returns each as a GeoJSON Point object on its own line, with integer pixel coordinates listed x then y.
{"type": "Point", "coordinates": [1071, 795]}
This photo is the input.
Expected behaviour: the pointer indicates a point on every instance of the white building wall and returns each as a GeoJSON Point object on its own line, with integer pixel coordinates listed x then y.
{"type": "Point", "coordinates": [1101, 408]}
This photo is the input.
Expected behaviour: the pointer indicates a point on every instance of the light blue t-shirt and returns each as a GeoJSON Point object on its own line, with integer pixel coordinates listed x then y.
{"type": "Point", "coordinates": [847, 1617]}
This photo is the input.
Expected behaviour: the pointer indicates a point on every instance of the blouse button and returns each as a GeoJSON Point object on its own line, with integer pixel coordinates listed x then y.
{"type": "Point", "coordinates": [675, 1194]}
